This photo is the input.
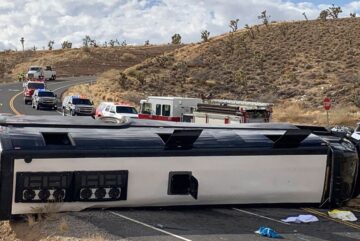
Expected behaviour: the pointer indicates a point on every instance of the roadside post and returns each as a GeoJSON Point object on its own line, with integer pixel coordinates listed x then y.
{"type": "Point", "coordinates": [327, 107]}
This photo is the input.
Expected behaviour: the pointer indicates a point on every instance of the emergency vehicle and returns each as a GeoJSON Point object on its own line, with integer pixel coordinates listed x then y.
{"type": "Point", "coordinates": [180, 109]}
{"type": "Point", "coordinates": [167, 108]}
{"type": "Point", "coordinates": [220, 111]}
{"type": "Point", "coordinates": [30, 87]}
{"type": "Point", "coordinates": [44, 99]}
{"type": "Point", "coordinates": [116, 109]}
{"type": "Point", "coordinates": [77, 105]}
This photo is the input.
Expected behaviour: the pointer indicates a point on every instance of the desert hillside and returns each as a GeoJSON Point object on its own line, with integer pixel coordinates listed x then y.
{"type": "Point", "coordinates": [80, 61]}
{"type": "Point", "coordinates": [291, 62]}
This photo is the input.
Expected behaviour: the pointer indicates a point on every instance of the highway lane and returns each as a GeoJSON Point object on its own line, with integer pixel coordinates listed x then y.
{"type": "Point", "coordinates": [11, 97]}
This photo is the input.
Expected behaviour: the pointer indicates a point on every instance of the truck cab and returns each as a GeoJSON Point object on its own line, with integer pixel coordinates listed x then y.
{"type": "Point", "coordinates": [30, 87]}
{"type": "Point", "coordinates": [38, 72]}
{"type": "Point", "coordinates": [167, 108]}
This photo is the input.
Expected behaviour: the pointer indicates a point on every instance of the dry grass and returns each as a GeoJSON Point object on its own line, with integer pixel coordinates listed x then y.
{"type": "Point", "coordinates": [75, 62]}
{"type": "Point", "coordinates": [300, 62]}
{"type": "Point", "coordinates": [63, 226]}
{"type": "Point", "coordinates": [107, 88]}
{"type": "Point", "coordinates": [297, 113]}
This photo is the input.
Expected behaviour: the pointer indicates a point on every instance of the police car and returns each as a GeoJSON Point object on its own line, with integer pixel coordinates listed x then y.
{"type": "Point", "coordinates": [44, 98]}
{"type": "Point", "coordinates": [77, 105]}
{"type": "Point", "coordinates": [117, 110]}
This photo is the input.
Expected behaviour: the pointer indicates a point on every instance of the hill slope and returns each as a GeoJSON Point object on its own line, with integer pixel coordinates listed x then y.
{"type": "Point", "coordinates": [300, 62]}
{"type": "Point", "coordinates": [75, 62]}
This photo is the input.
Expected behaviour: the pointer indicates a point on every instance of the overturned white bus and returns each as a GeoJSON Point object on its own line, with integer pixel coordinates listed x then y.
{"type": "Point", "coordinates": [84, 163]}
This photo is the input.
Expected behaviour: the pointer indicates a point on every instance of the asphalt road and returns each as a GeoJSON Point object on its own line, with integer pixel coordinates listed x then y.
{"type": "Point", "coordinates": [11, 95]}
{"type": "Point", "coordinates": [195, 224]}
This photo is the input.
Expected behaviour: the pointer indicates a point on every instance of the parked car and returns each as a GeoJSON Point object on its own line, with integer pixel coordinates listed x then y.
{"type": "Point", "coordinates": [77, 105]}
{"type": "Point", "coordinates": [30, 87]}
{"type": "Point", "coordinates": [116, 110]}
{"type": "Point", "coordinates": [44, 98]}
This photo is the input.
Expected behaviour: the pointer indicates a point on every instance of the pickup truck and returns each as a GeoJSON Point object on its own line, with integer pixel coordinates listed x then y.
{"type": "Point", "coordinates": [37, 72]}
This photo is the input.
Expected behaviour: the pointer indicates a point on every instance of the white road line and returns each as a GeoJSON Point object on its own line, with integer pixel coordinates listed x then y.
{"type": "Point", "coordinates": [149, 226]}
{"type": "Point", "coordinates": [260, 216]}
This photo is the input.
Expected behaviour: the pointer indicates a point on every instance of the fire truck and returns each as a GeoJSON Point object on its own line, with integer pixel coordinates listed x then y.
{"type": "Point", "coordinates": [30, 87]}
{"type": "Point", "coordinates": [180, 109]}
{"type": "Point", "coordinates": [232, 112]}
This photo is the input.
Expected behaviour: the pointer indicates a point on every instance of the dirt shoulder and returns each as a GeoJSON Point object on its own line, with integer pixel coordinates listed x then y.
{"type": "Point", "coordinates": [55, 227]}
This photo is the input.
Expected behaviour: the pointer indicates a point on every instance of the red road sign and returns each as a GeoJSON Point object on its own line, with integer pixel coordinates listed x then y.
{"type": "Point", "coordinates": [327, 103]}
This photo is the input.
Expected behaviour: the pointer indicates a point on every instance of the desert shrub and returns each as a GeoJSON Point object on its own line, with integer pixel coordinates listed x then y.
{"type": "Point", "coordinates": [133, 97]}
{"type": "Point", "coordinates": [123, 80]}
{"type": "Point", "coordinates": [334, 11]}
{"type": "Point", "coordinates": [66, 45]}
{"type": "Point", "coordinates": [128, 57]}
{"type": "Point", "coordinates": [86, 41]}
{"type": "Point", "coordinates": [240, 78]}
{"type": "Point", "coordinates": [250, 31]}
{"type": "Point", "coordinates": [51, 44]}
{"type": "Point", "coordinates": [205, 35]}
{"type": "Point", "coordinates": [234, 25]}
{"type": "Point", "coordinates": [176, 39]}
{"type": "Point", "coordinates": [284, 29]}
{"type": "Point", "coordinates": [305, 16]}
{"type": "Point", "coordinates": [264, 17]}
{"type": "Point", "coordinates": [112, 42]}
{"type": "Point", "coordinates": [163, 60]}
{"type": "Point", "coordinates": [324, 15]}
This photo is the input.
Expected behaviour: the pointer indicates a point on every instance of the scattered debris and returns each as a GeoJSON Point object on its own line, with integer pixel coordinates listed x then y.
{"type": "Point", "coordinates": [268, 232]}
{"type": "Point", "coordinates": [307, 218]}
{"type": "Point", "coordinates": [159, 226]}
{"type": "Point", "coordinates": [343, 215]}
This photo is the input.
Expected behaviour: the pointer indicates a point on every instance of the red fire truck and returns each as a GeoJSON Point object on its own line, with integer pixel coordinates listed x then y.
{"type": "Point", "coordinates": [180, 109]}
{"type": "Point", "coordinates": [30, 87]}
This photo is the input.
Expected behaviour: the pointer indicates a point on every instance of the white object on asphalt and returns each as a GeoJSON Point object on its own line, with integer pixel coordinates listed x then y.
{"type": "Point", "coordinates": [343, 215]}
{"type": "Point", "coordinates": [307, 218]}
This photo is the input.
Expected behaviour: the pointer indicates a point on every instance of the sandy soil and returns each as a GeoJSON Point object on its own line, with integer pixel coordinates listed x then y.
{"type": "Point", "coordinates": [56, 227]}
